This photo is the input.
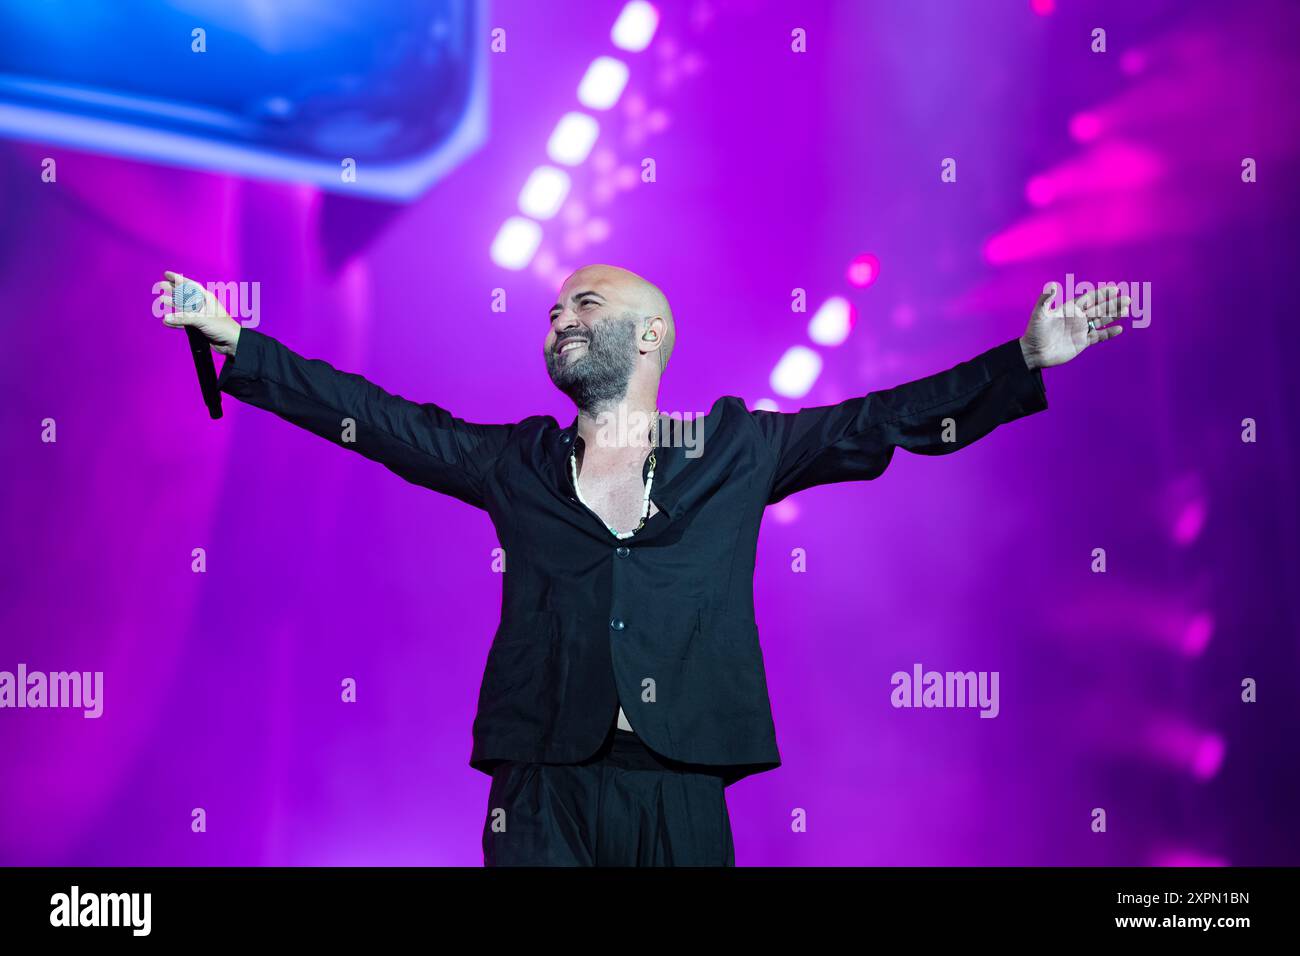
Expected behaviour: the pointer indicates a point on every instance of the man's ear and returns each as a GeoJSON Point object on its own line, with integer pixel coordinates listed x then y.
{"type": "Point", "coordinates": [652, 339]}
{"type": "Point", "coordinates": [652, 331]}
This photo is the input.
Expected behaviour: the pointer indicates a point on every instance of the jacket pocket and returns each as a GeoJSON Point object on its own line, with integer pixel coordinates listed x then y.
{"type": "Point", "coordinates": [720, 633]}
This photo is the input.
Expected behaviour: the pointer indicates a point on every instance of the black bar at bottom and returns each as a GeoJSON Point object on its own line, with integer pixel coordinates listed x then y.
{"type": "Point", "coordinates": [241, 904]}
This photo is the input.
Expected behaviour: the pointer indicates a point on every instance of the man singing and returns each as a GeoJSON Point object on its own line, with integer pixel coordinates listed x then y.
{"type": "Point", "coordinates": [625, 688]}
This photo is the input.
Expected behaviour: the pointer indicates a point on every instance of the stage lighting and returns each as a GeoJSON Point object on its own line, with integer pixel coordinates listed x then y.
{"type": "Point", "coordinates": [603, 83]}
{"type": "Point", "coordinates": [351, 96]}
{"type": "Point", "coordinates": [544, 192]}
{"type": "Point", "coordinates": [572, 139]}
{"type": "Point", "coordinates": [831, 324]}
{"type": "Point", "coordinates": [863, 270]}
{"type": "Point", "coordinates": [796, 372]}
{"type": "Point", "coordinates": [516, 242]}
{"type": "Point", "coordinates": [1085, 127]}
{"type": "Point", "coordinates": [1177, 743]}
{"type": "Point", "coordinates": [635, 26]}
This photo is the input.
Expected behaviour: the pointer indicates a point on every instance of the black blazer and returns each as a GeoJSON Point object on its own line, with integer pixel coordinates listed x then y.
{"type": "Point", "coordinates": [662, 622]}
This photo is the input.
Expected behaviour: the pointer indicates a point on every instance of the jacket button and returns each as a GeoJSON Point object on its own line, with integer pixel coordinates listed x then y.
{"type": "Point", "coordinates": [622, 551]}
{"type": "Point", "coordinates": [564, 438]}
{"type": "Point", "coordinates": [616, 624]}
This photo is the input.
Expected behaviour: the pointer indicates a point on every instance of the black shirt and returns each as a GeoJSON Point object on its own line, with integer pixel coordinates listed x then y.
{"type": "Point", "coordinates": [663, 622]}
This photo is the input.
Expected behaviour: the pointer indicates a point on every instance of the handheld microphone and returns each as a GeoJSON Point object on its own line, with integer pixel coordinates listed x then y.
{"type": "Point", "coordinates": [187, 297]}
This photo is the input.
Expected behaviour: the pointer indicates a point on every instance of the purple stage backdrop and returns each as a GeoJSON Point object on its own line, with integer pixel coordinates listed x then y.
{"type": "Point", "coordinates": [881, 189]}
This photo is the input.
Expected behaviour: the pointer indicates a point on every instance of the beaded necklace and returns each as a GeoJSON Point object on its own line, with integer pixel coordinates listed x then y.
{"type": "Point", "coordinates": [650, 479]}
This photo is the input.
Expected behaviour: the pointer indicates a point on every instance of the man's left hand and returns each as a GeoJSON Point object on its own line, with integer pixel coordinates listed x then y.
{"type": "Point", "coordinates": [1053, 337]}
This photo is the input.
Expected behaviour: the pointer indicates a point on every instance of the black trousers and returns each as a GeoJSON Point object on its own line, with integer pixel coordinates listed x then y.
{"type": "Point", "coordinates": [625, 806]}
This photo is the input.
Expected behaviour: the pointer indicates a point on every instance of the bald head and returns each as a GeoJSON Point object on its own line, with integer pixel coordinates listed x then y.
{"type": "Point", "coordinates": [624, 292]}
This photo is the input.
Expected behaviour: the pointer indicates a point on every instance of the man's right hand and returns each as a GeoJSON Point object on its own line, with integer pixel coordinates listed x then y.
{"type": "Point", "coordinates": [221, 331]}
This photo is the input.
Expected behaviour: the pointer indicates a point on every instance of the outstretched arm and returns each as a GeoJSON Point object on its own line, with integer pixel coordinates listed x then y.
{"type": "Point", "coordinates": [855, 439]}
{"type": "Point", "coordinates": [421, 442]}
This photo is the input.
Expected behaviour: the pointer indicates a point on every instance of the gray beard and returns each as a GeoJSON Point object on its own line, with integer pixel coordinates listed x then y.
{"type": "Point", "coordinates": [600, 378]}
